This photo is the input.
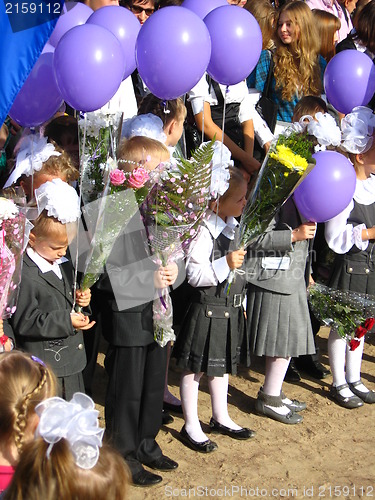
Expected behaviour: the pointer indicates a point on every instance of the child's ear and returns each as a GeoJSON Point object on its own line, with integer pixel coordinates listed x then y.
{"type": "Point", "coordinates": [170, 127]}
{"type": "Point", "coordinates": [359, 158]}
{"type": "Point", "coordinates": [32, 239]}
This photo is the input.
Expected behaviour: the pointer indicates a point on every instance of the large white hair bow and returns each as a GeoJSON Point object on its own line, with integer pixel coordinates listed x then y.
{"type": "Point", "coordinates": [77, 422]}
{"type": "Point", "coordinates": [59, 199]}
{"type": "Point", "coordinates": [325, 129]}
{"type": "Point", "coordinates": [147, 125]}
{"type": "Point", "coordinates": [357, 128]}
{"type": "Point", "coordinates": [32, 153]}
{"type": "Point", "coordinates": [221, 161]}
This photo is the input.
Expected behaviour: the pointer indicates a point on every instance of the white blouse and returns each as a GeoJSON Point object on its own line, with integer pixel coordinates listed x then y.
{"type": "Point", "coordinates": [340, 235]}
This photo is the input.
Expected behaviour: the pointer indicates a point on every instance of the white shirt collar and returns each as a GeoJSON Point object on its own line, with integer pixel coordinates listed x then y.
{"type": "Point", "coordinates": [216, 225]}
{"type": "Point", "coordinates": [44, 265]}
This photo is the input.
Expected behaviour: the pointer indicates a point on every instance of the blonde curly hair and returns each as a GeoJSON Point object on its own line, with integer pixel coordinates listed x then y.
{"type": "Point", "coordinates": [297, 69]}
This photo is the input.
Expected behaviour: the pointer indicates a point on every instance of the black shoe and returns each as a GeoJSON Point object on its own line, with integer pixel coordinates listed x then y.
{"type": "Point", "coordinates": [367, 397]}
{"type": "Point", "coordinates": [146, 478]}
{"type": "Point", "coordinates": [166, 418]}
{"type": "Point", "coordinates": [243, 433]}
{"type": "Point", "coordinates": [163, 463]}
{"type": "Point", "coordinates": [204, 447]}
{"type": "Point", "coordinates": [349, 402]}
{"type": "Point", "coordinates": [312, 367]}
{"type": "Point", "coordinates": [173, 408]}
{"type": "Point", "coordinates": [292, 374]}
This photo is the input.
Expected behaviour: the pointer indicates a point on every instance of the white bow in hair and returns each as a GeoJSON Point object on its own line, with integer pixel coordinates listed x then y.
{"type": "Point", "coordinates": [77, 422]}
{"type": "Point", "coordinates": [32, 153]}
{"type": "Point", "coordinates": [59, 199]}
{"type": "Point", "coordinates": [220, 175]}
{"type": "Point", "coordinates": [147, 125]}
{"type": "Point", "coordinates": [325, 129]}
{"type": "Point", "coordinates": [357, 128]}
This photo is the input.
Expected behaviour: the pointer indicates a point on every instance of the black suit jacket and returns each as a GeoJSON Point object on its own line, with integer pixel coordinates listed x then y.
{"type": "Point", "coordinates": [41, 322]}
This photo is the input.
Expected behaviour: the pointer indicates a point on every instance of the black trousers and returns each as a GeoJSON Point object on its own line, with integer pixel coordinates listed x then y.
{"type": "Point", "coordinates": [134, 401]}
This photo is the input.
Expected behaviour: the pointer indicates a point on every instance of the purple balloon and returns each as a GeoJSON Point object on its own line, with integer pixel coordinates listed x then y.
{"type": "Point", "coordinates": [48, 48]}
{"type": "Point", "coordinates": [124, 25]}
{"type": "Point", "coordinates": [89, 65]}
{"type": "Point", "coordinates": [39, 97]}
{"type": "Point", "coordinates": [203, 7]}
{"type": "Point", "coordinates": [327, 189]}
{"type": "Point", "coordinates": [349, 80]}
{"type": "Point", "coordinates": [236, 41]}
{"type": "Point", "coordinates": [73, 14]}
{"type": "Point", "coordinates": [172, 51]}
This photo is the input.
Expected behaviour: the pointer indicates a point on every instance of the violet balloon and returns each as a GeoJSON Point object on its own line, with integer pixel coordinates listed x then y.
{"type": "Point", "coordinates": [327, 189]}
{"type": "Point", "coordinates": [124, 25]}
{"type": "Point", "coordinates": [349, 80]}
{"type": "Point", "coordinates": [39, 97]}
{"type": "Point", "coordinates": [73, 14]}
{"type": "Point", "coordinates": [172, 51]}
{"type": "Point", "coordinates": [236, 41]}
{"type": "Point", "coordinates": [203, 7]}
{"type": "Point", "coordinates": [89, 65]}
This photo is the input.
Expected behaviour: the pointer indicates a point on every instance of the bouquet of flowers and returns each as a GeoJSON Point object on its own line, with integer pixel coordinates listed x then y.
{"type": "Point", "coordinates": [286, 164]}
{"type": "Point", "coordinates": [12, 232]}
{"type": "Point", "coordinates": [123, 194]}
{"type": "Point", "coordinates": [288, 161]}
{"type": "Point", "coordinates": [172, 213]}
{"type": "Point", "coordinates": [351, 314]}
{"type": "Point", "coordinates": [99, 134]}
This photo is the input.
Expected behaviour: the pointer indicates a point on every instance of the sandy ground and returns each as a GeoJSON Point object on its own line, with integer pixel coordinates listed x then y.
{"type": "Point", "coordinates": [330, 455]}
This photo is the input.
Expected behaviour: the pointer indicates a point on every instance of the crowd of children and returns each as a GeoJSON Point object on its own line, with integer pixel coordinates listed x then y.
{"type": "Point", "coordinates": [264, 312]}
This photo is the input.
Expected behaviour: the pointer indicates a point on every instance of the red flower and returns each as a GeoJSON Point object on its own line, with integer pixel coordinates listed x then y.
{"type": "Point", "coordinates": [369, 323]}
{"type": "Point", "coordinates": [360, 332]}
{"type": "Point", "coordinates": [354, 343]}
{"type": "Point", "coordinates": [3, 339]}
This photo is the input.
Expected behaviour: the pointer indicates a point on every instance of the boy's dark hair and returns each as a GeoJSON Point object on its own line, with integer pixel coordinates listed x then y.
{"type": "Point", "coordinates": [309, 105]}
{"type": "Point", "coordinates": [62, 130]}
{"type": "Point", "coordinates": [365, 26]}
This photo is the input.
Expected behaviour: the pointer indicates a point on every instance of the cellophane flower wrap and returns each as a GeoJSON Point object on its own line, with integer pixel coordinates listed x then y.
{"type": "Point", "coordinates": [12, 244]}
{"type": "Point", "coordinates": [286, 164]}
{"type": "Point", "coordinates": [122, 195]}
{"type": "Point", "coordinates": [172, 213]}
{"type": "Point", "coordinates": [99, 134]}
{"type": "Point", "coordinates": [351, 314]}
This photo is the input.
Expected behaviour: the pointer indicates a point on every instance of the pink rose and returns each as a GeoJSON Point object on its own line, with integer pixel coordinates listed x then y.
{"type": "Point", "coordinates": [117, 177]}
{"type": "Point", "coordinates": [138, 177]}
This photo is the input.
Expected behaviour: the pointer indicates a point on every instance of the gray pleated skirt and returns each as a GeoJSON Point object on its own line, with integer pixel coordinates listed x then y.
{"type": "Point", "coordinates": [279, 325]}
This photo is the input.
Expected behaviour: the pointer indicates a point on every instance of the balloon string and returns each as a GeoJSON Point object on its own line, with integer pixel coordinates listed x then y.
{"type": "Point", "coordinates": [202, 138]}
{"type": "Point", "coordinates": [32, 130]}
{"type": "Point", "coordinates": [82, 159]}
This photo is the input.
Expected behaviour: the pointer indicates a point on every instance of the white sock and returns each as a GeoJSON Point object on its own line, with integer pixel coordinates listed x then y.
{"type": "Point", "coordinates": [219, 401]}
{"type": "Point", "coordinates": [189, 387]}
{"type": "Point", "coordinates": [337, 353]}
{"type": "Point", "coordinates": [276, 369]}
{"type": "Point", "coordinates": [353, 365]}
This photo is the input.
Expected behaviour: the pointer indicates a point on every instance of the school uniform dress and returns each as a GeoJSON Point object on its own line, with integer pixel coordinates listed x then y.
{"type": "Point", "coordinates": [135, 363]}
{"type": "Point", "coordinates": [354, 265]}
{"type": "Point", "coordinates": [276, 270]}
{"type": "Point", "coordinates": [212, 331]}
{"type": "Point", "coordinates": [42, 324]}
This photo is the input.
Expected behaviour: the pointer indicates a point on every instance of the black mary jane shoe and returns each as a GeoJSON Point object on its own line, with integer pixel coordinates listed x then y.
{"type": "Point", "coordinates": [163, 463]}
{"type": "Point", "coordinates": [203, 447]}
{"type": "Point", "coordinates": [368, 397]}
{"type": "Point", "coordinates": [243, 433]}
{"type": "Point", "coordinates": [145, 478]}
{"type": "Point", "coordinates": [292, 374]}
{"type": "Point", "coordinates": [349, 402]}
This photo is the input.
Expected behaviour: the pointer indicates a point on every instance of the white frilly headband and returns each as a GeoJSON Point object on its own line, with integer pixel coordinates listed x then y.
{"type": "Point", "coordinates": [77, 422]}
{"type": "Point", "coordinates": [147, 125]}
{"type": "Point", "coordinates": [59, 200]}
{"type": "Point", "coordinates": [221, 161]}
{"type": "Point", "coordinates": [357, 129]}
{"type": "Point", "coordinates": [32, 153]}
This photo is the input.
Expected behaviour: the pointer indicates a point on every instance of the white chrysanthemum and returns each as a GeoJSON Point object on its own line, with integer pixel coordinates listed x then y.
{"type": "Point", "coordinates": [8, 209]}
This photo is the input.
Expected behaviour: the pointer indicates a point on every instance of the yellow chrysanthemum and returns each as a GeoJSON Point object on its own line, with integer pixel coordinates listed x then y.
{"type": "Point", "coordinates": [286, 157]}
